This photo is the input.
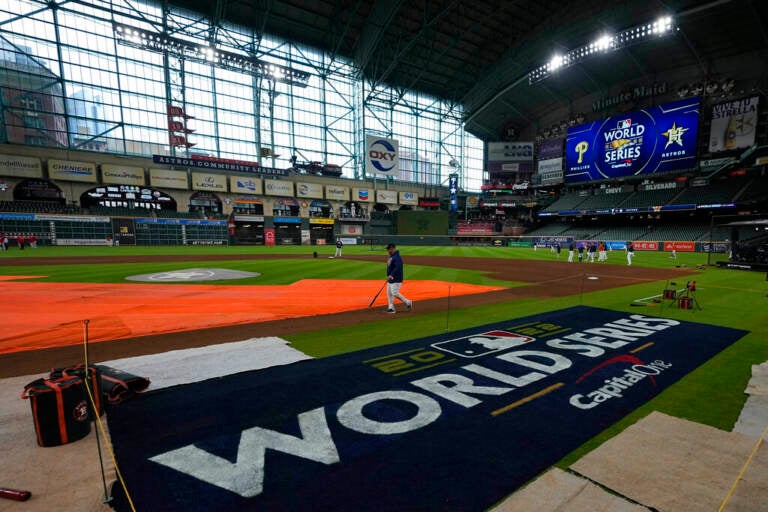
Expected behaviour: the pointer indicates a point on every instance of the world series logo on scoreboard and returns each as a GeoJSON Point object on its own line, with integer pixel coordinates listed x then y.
{"type": "Point", "coordinates": [659, 139]}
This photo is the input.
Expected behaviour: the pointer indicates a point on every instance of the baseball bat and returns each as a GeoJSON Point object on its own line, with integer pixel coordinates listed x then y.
{"type": "Point", "coordinates": [13, 494]}
{"type": "Point", "coordinates": [377, 294]}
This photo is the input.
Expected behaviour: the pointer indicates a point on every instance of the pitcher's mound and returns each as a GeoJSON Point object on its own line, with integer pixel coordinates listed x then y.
{"type": "Point", "coordinates": [192, 275]}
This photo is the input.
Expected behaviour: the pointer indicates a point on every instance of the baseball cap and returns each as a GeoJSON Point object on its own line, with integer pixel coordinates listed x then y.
{"type": "Point", "coordinates": [390, 246]}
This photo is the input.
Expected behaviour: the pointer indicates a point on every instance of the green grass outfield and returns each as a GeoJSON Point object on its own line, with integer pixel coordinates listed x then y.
{"type": "Point", "coordinates": [713, 394]}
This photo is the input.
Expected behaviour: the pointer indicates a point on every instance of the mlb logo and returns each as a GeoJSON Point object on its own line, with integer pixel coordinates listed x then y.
{"type": "Point", "coordinates": [482, 344]}
{"type": "Point", "coordinates": [626, 123]}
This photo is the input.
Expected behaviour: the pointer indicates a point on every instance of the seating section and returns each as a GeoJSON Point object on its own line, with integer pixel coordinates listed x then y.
{"type": "Point", "coordinates": [33, 207]}
{"type": "Point", "coordinates": [644, 198]}
{"type": "Point", "coordinates": [602, 200]}
{"type": "Point", "coordinates": [555, 228]}
{"type": "Point", "coordinates": [757, 190]}
{"type": "Point", "coordinates": [566, 202]}
{"type": "Point", "coordinates": [475, 226]}
{"type": "Point", "coordinates": [623, 233]}
{"type": "Point", "coordinates": [718, 192]}
{"type": "Point", "coordinates": [677, 232]}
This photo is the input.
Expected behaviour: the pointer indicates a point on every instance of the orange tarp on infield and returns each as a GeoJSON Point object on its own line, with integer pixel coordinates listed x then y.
{"type": "Point", "coordinates": [44, 315]}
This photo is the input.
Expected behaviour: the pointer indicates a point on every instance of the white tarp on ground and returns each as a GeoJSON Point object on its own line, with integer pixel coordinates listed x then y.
{"type": "Point", "coordinates": [197, 364]}
{"type": "Point", "coordinates": [558, 491]}
{"type": "Point", "coordinates": [675, 465]}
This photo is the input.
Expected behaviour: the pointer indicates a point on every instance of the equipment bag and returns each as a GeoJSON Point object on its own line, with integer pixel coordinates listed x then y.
{"type": "Point", "coordinates": [59, 409]}
{"type": "Point", "coordinates": [94, 382]}
{"type": "Point", "coordinates": [118, 385]}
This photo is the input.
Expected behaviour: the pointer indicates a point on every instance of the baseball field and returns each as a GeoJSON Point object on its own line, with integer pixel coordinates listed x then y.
{"type": "Point", "coordinates": [321, 306]}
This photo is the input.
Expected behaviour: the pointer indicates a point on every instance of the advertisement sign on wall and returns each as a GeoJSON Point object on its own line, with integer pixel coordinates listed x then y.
{"type": "Point", "coordinates": [122, 175]}
{"type": "Point", "coordinates": [245, 185]}
{"type": "Point", "coordinates": [409, 198]}
{"type": "Point", "coordinates": [734, 124]}
{"type": "Point", "coordinates": [381, 156]}
{"type": "Point", "coordinates": [163, 178]}
{"type": "Point", "coordinates": [644, 142]}
{"type": "Point", "coordinates": [269, 236]}
{"type": "Point", "coordinates": [312, 190]}
{"type": "Point", "coordinates": [680, 246]}
{"type": "Point", "coordinates": [551, 149]}
{"type": "Point", "coordinates": [646, 246]}
{"type": "Point", "coordinates": [510, 151]}
{"type": "Point", "coordinates": [364, 195]}
{"type": "Point", "coordinates": [20, 166]}
{"type": "Point", "coordinates": [278, 188]}
{"type": "Point", "coordinates": [72, 171]}
{"type": "Point", "coordinates": [551, 171]}
{"type": "Point", "coordinates": [337, 193]}
{"type": "Point", "coordinates": [386, 197]}
{"type": "Point", "coordinates": [212, 182]}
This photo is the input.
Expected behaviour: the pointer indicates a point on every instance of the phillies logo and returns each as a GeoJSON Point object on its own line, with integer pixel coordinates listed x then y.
{"type": "Point", "coordinates": [382, 155]}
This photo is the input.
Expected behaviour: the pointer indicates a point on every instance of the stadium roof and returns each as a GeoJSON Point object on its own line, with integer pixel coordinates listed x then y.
{"type": "Point", "coordinates": [479, 52]}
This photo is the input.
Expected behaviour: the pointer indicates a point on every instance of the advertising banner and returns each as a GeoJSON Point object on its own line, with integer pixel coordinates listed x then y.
{"type": "Point", "coordinates": [364, 195]}
{"type": "Point", "coordinates": [680, 246]}
{"type": "Point", "coordinates": [510, 151]}
{"type": "Point", "coordinates": [381, 156]}
{"type": "Point", "coordinates": [72, 171]}
{"type": "Point", "coordinates": [551, 171]}
{"type": "Point", "coordinates": [644, 142]}
{"type": "Point", "coordinates": [645, 246]}
{"type": "Point", "coordinates": [278, 188]}
{"type": "Point", "coordinates": [337, 193]}
{"type": "Point", "coordinates": [212, 182]}
{"type": "Point", "coordinates": [313, 190]}
{"type": "Point", "coordinates": [163, 178]}
{"type": "Point", "coordinates": [386, 197]}
{"type": "Point", "coordinates": [409, 198]}
{"type": "Point", "coordinates": [20, 166]}
{"type": "Point", "coordinates": [124, 230]}
{"type": "Point", "coordinates": [734, 124]}
{"type": "Point", "coordinates": [269, 236]}
{"type": "Point", "coordinates": [245, 185]}
{"type": "Point", "coordinates": [123, 175]}
{"type": "Point", "coordinates": [551, 149]}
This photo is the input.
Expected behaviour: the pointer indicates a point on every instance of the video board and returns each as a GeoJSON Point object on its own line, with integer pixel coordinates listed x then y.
{"type": "Point", "coordinates": [658, 139]}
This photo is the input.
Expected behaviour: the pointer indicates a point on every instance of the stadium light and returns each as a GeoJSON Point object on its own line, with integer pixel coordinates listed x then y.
{"type": "Point", "coordinates": [162, 43]}
{"type": "Point", "coordinates": [603, 44]}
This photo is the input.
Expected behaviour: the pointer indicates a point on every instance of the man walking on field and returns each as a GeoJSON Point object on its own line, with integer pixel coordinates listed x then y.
{"type": "Point", "coordinates": [395, 279]}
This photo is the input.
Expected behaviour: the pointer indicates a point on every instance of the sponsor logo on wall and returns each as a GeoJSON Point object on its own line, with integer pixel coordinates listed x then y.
{"type": "Point", "coordinates": [381, 156]}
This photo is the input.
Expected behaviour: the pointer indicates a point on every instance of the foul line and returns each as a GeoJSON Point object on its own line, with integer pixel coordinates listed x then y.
{"type": "Point", "coordinates": [641, 347]}
{"type": "Point", "coordinates": [527, 399]}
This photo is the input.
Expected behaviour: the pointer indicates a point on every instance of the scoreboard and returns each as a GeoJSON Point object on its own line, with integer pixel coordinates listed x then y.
{"type": "Point", "coordinates": [658, 139]}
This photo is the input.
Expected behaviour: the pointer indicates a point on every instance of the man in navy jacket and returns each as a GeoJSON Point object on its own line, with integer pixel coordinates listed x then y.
{"type": "Point", "coordinates": [395, 279]}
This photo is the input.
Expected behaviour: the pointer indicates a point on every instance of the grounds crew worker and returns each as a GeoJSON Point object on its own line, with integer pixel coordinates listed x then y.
{"type": "Point", "coordinates": [395, 279]}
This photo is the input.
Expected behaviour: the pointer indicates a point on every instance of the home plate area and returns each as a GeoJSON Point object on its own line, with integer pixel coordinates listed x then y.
{"type": "Point", "coordinates": [450, 422]}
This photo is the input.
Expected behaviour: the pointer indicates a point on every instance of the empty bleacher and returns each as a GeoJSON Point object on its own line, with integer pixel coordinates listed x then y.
{"type": "Point", "coordinates": [643, 198]}
{"type": "Point", "coordinates": [603, 200]}
{"type": "Point", "coordinates": [566, 202]}
{"type": "Point", "coordinates": [681, 232]}
{"type": "Point", "coordinates": [718, 192]}
{"type": "Point", "coordinates": [32, 207]}
{"type": "Point", "coordinates": [552, 229]}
